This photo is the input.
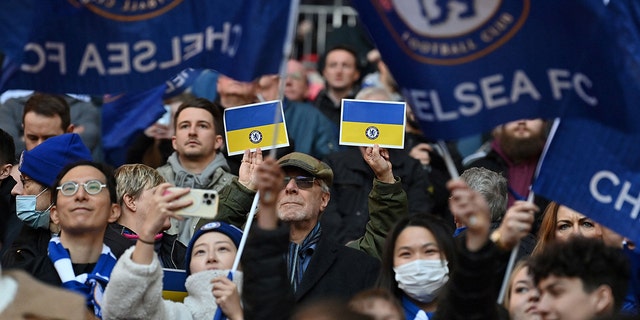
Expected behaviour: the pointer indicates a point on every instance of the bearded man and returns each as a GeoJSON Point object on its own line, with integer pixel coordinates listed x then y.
{"type": "Point", "coordinates": [515, 152]}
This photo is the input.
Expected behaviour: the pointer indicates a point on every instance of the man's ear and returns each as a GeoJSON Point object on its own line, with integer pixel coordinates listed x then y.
{"type": "Point", "coordinates": [5, 171]}
{"type": "Point", "coordinates": [218, 142]}
{"type": "Point", "coordinates": [70, 128]}
{"type": "Point", "coordinates": [53, 214]}
{"type": "Point", "coordinates": [325, 197]}
{"type": "Point", "coordinates": [129, 202]}
{"type": "Point", "coordinates": [115, 213]}
{"type": "Point", "coordinates": [602, 299]}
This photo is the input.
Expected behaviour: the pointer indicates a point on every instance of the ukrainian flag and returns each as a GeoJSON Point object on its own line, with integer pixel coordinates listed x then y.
{"type": "Point", "coordinates": [365, 123]}
{"type": "Point", "coordinates": [253, 126]}
{"type": "Point", "coordinates": [173, 284]}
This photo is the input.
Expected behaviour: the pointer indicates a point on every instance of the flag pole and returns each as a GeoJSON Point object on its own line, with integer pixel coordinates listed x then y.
{"type": "Point", "coordinates": [282, 76]}
{"type": "Point", "coordinates": [286, 51]}
{"type": "Point", "coordinates": [444, 152]}
{"type": "Point", "coordinates": [530, 197]}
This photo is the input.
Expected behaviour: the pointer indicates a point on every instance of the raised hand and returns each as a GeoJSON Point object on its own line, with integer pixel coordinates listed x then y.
{"type": "Point", "coordinates": [420, 152]}
{"type": "Point", "coordinates": [247, 172]}
{"type": "Point", "coordinates": [516, 223]}
{"type": "Point", "coordinates": [378, 159]}
{"type": "Point", "coordinates": [471, 209]}
{"type": "Point", "coordinates": [269, 181]}
{"type": "Point", "coordinates": [162, 207]}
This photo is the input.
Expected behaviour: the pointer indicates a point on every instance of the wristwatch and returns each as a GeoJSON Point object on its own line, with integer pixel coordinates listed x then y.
{"type": "Point", "coordinates": [495, 238]}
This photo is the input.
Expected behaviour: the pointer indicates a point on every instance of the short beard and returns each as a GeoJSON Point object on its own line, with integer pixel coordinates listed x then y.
{"type": "Point", "coordinates": [519, 150]}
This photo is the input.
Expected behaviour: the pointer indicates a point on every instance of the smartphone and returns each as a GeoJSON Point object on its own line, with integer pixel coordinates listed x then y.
{"type": "Point", "coordinates": [205, 203]}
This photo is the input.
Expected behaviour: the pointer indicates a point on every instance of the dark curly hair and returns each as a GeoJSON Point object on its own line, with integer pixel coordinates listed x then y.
{"type": "Point", "coordinates": [590, 260]}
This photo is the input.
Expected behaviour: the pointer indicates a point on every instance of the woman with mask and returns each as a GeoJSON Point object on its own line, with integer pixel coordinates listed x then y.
{"type": "Point", "coordinates": [437, 278]}
{"type": "Point", "coordinates": [416, 263]}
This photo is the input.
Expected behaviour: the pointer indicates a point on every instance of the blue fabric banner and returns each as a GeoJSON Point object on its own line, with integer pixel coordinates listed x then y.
{"type": "Point", "coordinates": [595, 169]}
{"type": "Point", "coordinates": [593, 161]}
{"type": "Point", "coordinates": [467, 66]}
{"type": "Point", "coordinates": [116, 46]}
{"type": "Point", "coordinates": [127, 116]}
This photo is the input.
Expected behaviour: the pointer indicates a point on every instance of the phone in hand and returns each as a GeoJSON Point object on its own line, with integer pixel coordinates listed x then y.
{"type": "Point", "coordinates": [205, 203]}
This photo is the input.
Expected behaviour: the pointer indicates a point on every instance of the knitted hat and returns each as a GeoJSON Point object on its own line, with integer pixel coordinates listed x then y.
{"type": "Point", "coordinates": [44, 162]}
{"type": "Point", "coordinates": [217, 226]}
{"type": "Point", "coordinates": [309, 164]}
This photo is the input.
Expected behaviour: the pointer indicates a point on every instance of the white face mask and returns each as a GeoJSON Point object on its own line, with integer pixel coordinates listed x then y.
{"type": "Point", "coordinates": [422, 279]}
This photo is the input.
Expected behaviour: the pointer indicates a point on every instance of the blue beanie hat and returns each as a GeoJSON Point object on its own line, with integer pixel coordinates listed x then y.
{"type": "Point", "coordinates": [44, 162]}
{"type": "Point", "coordinates": [230, 231]}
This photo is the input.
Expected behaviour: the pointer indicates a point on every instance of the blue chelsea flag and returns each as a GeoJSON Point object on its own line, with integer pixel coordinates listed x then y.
{"type": "Point", "coordinates": [593, 161]}
{"type": "Point", "coordinates": [97, 47]}
{"type": "Point", "coordinates": [467, 68]}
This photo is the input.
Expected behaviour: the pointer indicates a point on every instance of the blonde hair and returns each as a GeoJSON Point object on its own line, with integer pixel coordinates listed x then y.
{"type": "Point", "coordinates": [132, 179]}
{"type": "Point", "coordinates": [525, 263]}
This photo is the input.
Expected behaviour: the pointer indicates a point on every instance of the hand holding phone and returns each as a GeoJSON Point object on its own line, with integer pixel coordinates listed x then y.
{"type": "Point", "coordinates": [204, 203]}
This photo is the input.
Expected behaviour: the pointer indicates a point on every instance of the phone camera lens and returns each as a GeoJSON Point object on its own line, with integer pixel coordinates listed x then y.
{"type": "Point", "coordinates": [208, 202]}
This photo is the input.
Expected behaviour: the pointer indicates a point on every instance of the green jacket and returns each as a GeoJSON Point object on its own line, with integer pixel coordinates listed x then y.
{"type": "Point", "coordinates": [387, 204]}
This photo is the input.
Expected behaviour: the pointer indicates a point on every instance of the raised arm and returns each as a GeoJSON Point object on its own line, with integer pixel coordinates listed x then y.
{"type": "Point", "coordinates": [387, 202]}
{"type": "Point", "coordinates": [266, 291]}
{"type": "Point", "coordinates": [237, 197]}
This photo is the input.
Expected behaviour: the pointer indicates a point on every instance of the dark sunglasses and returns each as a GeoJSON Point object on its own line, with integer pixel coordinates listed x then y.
{"type": "Point", "coordinates": [301, 181]}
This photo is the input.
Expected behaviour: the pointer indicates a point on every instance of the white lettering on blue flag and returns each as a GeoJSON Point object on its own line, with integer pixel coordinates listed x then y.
{"type": "Point", "coordinates": [467, 68]}
{"type": "Point", "coordinates": [98, 47]}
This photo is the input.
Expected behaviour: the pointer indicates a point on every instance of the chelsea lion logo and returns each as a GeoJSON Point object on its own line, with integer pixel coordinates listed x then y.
{"type": "Point", "coordinates": [451, 32]}
{"type": "Point", "coordinates": [255, 136]}
{"type": "Point", "coordinates": [372, 133]}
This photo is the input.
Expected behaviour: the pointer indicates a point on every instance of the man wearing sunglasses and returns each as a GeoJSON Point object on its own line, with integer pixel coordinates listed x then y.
{"type": "Point", "coordinates": [316, 266]}
{"type": "Point", "coordinates": [38, 172]}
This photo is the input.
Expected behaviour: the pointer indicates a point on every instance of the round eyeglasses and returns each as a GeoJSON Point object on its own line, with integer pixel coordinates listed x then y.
{"type": "Point", "coordinates": [92, 187]}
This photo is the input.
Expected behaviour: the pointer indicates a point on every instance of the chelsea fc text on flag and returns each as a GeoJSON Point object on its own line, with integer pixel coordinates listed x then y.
{"type": "Point", "coordinates": [253, 126]}
{"type": "Point", "coordinates": [365, 123]}
{"type": "Point", "coordinates": [97, 47]}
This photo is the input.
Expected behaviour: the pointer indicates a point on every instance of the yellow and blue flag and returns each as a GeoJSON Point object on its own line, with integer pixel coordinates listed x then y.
{"type": "Point", "coordinates": [365, 123]}
{"type": "Point", "coordinates": [253, 126]}
{"type": "Point", "coordinates": [173, 284]}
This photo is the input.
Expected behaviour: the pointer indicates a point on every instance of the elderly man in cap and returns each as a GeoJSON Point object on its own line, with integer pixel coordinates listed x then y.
{"type": "Point", "coordinates": [317, 266]}
{"type": "Point", "coordinates": [38, 172]}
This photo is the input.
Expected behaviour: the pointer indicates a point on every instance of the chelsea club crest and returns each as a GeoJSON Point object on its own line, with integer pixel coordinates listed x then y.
{"type": "Point", "coordinates": [372, 133]}
{"type": "Point", "coordinates": [255, 136]}
{"type": "Point", "coordinates": [451, 32]}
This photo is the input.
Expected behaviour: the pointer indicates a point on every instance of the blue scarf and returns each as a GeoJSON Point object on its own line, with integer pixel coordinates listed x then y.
{"type": "Point", "coordinates": [90, 285]}
{"type": "Point", "coordinates": [299, 256]}
{"type": "Point", "coordinates": [412, 312]}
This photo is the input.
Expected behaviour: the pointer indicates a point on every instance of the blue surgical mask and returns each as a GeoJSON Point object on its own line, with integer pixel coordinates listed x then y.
{"type": "Point", "coordinates": [26, 211]}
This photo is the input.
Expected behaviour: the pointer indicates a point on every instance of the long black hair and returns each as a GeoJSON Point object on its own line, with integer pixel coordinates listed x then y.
{"type": "Point", "coordinates": [442, 233]}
